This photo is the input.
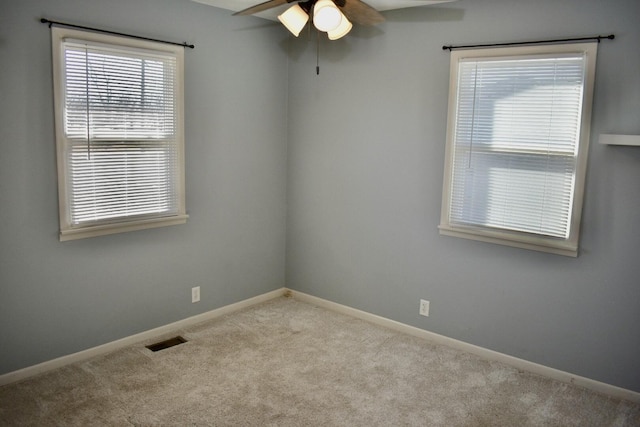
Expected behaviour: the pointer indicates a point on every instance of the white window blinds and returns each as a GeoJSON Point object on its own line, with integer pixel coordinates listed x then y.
{"type": "Point", "coordinates": [515, 145]}
{"type": "Point", "coordinates": [122, 137]}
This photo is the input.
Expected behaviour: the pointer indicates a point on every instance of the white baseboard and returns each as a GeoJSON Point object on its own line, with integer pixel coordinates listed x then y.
{"type": "Point", "coordinates": [517, 363]}
{"type": "Point", "coordinates": [535, 368]}
{"type": "Point", "coordinates": [80, 356]}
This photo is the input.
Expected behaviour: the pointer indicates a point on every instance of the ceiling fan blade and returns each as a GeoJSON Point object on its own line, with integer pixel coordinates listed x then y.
{"type": "Point", "coordinates": [361, 13]}
{"type": "Point", "coordinates": [262, 7]}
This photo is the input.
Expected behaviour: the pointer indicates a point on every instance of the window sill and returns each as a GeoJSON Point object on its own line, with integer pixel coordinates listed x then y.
{"type": "Point", "coordinates": [102, 230]}
{"type": "Point", "coordinates": [523, 242]}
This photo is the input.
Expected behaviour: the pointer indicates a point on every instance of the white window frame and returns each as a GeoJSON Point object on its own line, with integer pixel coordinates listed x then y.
{"type": "Point", "coordinates": [563, 246]}
{"type": "Point", "coordinates": [69, 231]}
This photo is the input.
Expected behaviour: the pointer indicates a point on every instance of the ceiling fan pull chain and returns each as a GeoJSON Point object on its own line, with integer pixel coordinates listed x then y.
{"type": "Point", "coordinates": [318, 53]}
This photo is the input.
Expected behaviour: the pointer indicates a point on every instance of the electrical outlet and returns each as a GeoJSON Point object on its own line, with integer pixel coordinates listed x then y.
{"type": "Point", "coordinates": [195, 294]}
{"type": "Point", "coordinates": [424, 307]}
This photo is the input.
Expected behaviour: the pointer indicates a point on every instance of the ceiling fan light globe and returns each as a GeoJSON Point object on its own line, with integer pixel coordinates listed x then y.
{"type": "Point", "coordinates": [342, 30]}
{"type": "Point", "coordinates": [294, 18]}
{"type": "Point", "coordinates": [326, 16]}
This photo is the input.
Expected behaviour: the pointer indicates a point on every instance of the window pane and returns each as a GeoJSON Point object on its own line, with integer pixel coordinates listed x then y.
{"type": "Point", "coordinates": [516, 143]}
{"type": "Point", "coordinates": [122, 143]}
{"type": "Point", "coordinates": [529, 104]}
{"type": "Point", "coordinates": [528, 193]}
{"type": "Point", "coordinates": [120, 181]}
{"type": "Point", "coordinates": [118, 95]}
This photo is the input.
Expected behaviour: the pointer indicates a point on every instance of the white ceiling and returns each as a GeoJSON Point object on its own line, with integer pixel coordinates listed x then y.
{"type": "Point", "coordinates": [380, 5]}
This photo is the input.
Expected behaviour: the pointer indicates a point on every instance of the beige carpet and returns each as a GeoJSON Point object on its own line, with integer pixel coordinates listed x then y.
{"type": "Point", "coordinates": [287, 363]}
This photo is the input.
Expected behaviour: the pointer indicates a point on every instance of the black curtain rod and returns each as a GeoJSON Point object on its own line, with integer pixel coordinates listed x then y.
{"type": "Point", "coordinates": [64, 24]}
{"type": "Point", "coordinates": [598, 38]}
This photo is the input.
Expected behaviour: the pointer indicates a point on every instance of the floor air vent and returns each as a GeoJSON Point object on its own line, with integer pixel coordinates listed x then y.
{"type": "Point", "coordinates": [166, 343]}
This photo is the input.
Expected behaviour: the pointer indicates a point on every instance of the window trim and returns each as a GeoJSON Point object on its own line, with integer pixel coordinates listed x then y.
{"type": "Point", "coordinates": [67, 230]}
{"type": "Point", "coordinates": [568, 246]}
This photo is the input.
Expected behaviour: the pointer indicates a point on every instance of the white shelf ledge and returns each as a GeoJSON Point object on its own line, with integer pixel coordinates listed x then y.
{"type": "Point", "coordinates": [610, 139]}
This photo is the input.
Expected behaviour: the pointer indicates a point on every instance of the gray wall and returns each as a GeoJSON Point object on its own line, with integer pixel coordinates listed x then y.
{"type": "Point", "coordinates": [58, 298]}
{"type": "Point", "coordinates": [366, 153]}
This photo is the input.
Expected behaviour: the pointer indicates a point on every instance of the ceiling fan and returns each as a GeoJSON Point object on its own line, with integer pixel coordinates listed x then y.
{"type": "Point", "coordinates": [334, 17]}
